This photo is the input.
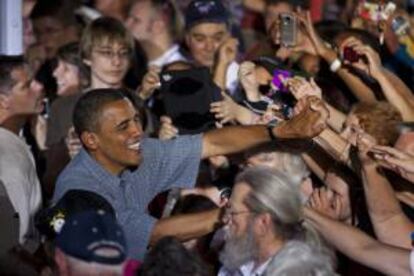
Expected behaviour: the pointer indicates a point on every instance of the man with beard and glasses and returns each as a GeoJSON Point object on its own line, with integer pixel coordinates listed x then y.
{"type": "Point", "coordinates": [265, 218]}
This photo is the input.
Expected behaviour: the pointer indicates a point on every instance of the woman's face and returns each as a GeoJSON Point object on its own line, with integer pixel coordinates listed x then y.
{"type": "Point", "coordinates": [340, 191]}
{"type": "Point", "coordinates": [351, 129]}
{"type": "Point", "coordinates": [67, 78]}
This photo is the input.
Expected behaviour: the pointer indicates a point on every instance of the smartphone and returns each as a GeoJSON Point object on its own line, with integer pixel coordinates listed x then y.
{"type": "Point", "coordinates": [400, 25]}
{"type": "Point", "coordinates": [287, 30]}
{"type": "Point", "coordinates": [350, 55]}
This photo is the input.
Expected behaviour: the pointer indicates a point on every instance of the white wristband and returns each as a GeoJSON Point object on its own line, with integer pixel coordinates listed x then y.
{"type": "Point", "coordinates": [335, 65]}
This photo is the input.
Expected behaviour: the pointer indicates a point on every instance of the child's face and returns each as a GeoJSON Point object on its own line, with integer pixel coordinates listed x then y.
{"type": "Point", "coordinates": [109, 63]}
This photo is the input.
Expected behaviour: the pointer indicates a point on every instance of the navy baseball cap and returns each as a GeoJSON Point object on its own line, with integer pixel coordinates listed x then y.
{"type": "Point", "coordinates": [93, 236]}
{"type": "Point", "coordinates": [206, 11]}
{"type": "Point", "coordinates": [50, 221]}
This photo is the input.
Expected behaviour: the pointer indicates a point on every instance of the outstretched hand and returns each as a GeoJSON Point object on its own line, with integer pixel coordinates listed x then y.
{"type": "Point", "coordinates": [226, 110]}
{"type": "Point", "coordinates": [396, 160]}
{"type": "Point", "coordinates": [309, 120]}
{"type": "Point", "coordinates": [167, 130]}
{"type": "Point", "coordinates": [300, 88]}
{"type": "Point", "coordinates": [150, 82]}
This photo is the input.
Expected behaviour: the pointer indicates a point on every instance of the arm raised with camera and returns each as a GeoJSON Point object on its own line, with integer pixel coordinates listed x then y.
{"type": "Point", "coordinates": [394, 90]}
{"type": "Point", "coordinates": [313, 44]}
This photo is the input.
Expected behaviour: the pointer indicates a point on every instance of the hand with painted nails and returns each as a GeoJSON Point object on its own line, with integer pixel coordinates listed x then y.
{"type": "Point", "coordinates": [167, 130]}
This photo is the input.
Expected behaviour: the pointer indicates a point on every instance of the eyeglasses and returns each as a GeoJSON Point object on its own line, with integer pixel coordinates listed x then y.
{"type": "Point", "coordinates": [230, 214]}
{"type": "Point", "coordinates": [108, 54]}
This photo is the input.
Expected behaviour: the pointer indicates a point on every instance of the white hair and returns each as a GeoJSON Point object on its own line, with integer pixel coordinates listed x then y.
{"type": "Point", "coordinates": [293, 166]}
{"type": "Point", "coordinates": [272, 192]}
{"type": "Point", "coordinates": [299, 258]}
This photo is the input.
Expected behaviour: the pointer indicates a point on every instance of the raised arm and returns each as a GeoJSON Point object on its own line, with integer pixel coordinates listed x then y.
{"type": "Point", "coordinates": [395, 91]}
{"type": "Point", "coordinates": [360, 247]}
{"type": "Point", "coordinates": [310, 121]}
{"type": "Point", "coordinates": [186, 227]}
{"type": "Point", "coordinates": [226, 55]}
{"type": "Point", "coordinates": [390, 223]}
{"type": "Point", "coordinates": [317, 46]}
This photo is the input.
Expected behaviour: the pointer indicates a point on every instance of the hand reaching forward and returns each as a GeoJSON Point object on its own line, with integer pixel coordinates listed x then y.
{"type": "Point", "coordinates": [226, 110]}
{"type": "Point", "coordinates": [150, 82]}
{"type": "Point", "coordinates": [396, 160]}
{"type": "Point", "coordinates": [300, 88]}
{"type": "Point", "coordinates": [167, 130]}
{"type": "Point", "coordinates": [309, 120]}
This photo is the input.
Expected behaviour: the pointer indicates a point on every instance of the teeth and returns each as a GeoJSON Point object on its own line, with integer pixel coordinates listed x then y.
{"type": "Point", "coordinates": [134, 146]}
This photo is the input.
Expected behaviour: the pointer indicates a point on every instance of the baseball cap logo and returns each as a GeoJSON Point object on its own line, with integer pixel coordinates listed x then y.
{"type": "Point", "coordinates": [205, 6]}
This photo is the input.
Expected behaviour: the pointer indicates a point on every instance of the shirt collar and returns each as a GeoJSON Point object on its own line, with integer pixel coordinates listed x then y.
{"type": "Point", "coordinates": [98, 170]}
{"type": "Point", "coordinates": [160, 60]}
{"type": "Point", "coordinates": [248, 268]}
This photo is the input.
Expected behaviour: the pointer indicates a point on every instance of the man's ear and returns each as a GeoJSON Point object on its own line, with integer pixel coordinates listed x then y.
{"type": "Point", "coordinates": [90, 140]}
{"type": "Point", "coordinates": [263, 224]}
{"type": "Point", "coordinates": [4, 102]}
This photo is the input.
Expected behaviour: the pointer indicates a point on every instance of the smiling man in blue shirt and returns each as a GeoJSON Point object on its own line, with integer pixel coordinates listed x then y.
{"type": "Point", "coordinates": [128, 170]}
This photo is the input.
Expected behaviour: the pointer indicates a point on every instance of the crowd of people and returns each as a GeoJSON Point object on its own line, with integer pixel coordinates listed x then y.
{"type": "Point", "coordinates": [209, 137]}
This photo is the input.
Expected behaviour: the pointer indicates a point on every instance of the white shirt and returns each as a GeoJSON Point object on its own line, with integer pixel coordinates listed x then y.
{"type": "Point", "coordinates": [171, 55]}
{"type": "Point", "coordinates": [232, 77]}
{"type": "Point", "coordinates": [18, 173]}
{"type": "Point", "coordinates": [248, 269]}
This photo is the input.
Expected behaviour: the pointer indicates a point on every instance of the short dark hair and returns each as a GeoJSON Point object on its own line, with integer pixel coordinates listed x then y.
{"type": "Point", "coordinates": [89, 108]}
{"type": "Point", "coordinates": [365, 37]}
{"type": "Point", "coordinates": [7, 65]}
{"type": "Point", "coordinates": [169, 257]}
{"type": "Point", "coordinates": [70, 53]}
{"type": "Point", "coordinates": [61, 10]}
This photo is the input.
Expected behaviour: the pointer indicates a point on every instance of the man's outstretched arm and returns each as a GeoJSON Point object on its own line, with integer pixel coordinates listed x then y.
{"type": "Point", "coordinates": [309, 121]}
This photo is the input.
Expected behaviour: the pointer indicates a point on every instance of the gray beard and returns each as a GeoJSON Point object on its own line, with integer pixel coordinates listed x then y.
{"type": "Point", "coordinates": [238, 250]}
